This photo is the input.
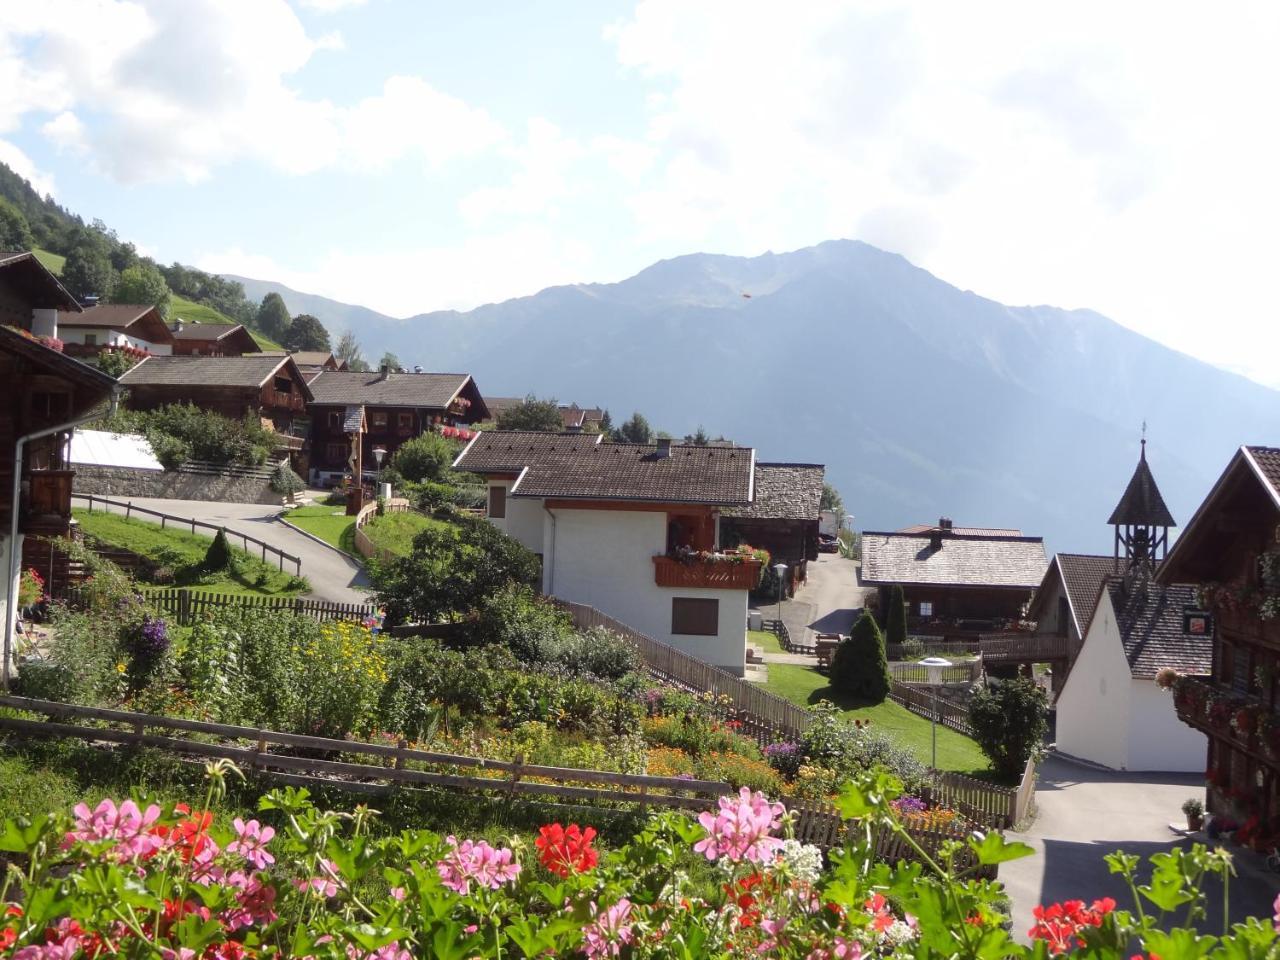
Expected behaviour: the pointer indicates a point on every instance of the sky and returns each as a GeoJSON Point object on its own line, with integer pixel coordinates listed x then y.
{"type": "Point", "coordinates": [410, 155]}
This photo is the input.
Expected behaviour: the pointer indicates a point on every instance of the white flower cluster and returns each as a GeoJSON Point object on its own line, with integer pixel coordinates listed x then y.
{"type": "Point", "coordinates": [803, 860]}
{"type": "Point", "coordinates": [898, 933]}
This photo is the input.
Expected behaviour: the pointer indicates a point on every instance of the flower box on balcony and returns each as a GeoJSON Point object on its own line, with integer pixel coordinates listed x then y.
{"type": "Point", "coordinates": [714, 571]}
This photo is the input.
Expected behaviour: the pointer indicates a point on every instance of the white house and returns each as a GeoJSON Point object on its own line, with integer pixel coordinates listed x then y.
{"type": "Point", "coordinates": [1111, 710]}
{"type": "Point", "coordinates": [630, 529]}
{"type": "Point", "coordinates": [135, 325]}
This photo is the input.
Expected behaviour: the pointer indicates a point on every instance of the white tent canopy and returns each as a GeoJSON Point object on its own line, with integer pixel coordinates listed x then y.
{"type": "Point", "coordinates": [101, 449]}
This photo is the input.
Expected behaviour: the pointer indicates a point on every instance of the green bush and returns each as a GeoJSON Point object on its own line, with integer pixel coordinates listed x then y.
{"type": "Point", "coordinates": [46, 680]}
{"type": "Point", "coordinates": [424, 458]}
{"type": "Point", "coordinates": [598, 653]}
{"type": "Point", "coordinates": [219, 555]}
{"type": "Point", "coordinates": [183, 431]}
{"type": "Point", "coordinates": [858, 667]}
{"type": "Point", "coordinates": [530, 627]}
{"type": "Point", "coordinates": [285, 482]}
{"type": "Point", "coordinates": [1009, 721]}
{"type": "Point", "coordinates": [836, 744]}
{"type": "Point", "coordinates": [895, 628]}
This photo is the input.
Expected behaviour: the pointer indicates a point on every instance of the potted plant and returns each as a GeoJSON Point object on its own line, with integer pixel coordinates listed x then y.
{"type": "Point", "coordinates": [1194, 809]}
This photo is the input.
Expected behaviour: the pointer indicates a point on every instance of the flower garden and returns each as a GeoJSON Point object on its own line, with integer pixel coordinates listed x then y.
{"type": "Point", "coordinates": [140, 879]}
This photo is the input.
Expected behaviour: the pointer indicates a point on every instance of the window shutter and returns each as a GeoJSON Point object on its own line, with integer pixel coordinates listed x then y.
{"type": "Point", "coordinates": [497, 503]}
{"type": "Point", "coordinates": [695, 616]}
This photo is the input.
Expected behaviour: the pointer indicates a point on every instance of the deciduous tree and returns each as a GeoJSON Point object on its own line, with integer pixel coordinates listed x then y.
{"type": "Point", "coordinates": [88, 271]}
{"type": "Point", "coordinates": [532, 414]}
{"type": "Point", "coordinates": [15, 232]}
{"type": "Point", "coordinates": [305, 332]}
{"type": "Point", "coordinates": [635, 430]}
{"type": "Point", "coordinates": [1009, 720]}
{"type": "Point", "coordinates": [273, 317]}
{"type": "Point", "coordinates": [142, 283]}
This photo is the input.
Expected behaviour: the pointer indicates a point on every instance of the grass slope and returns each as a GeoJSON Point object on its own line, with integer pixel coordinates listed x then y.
{"type": "Point", "coordinates": [198, 312]}
{"type": "Point", "coordinates": [395, 531]}
{"type": "Point", "coordinates": [187, 550]}
{"type": "Point", "coordinates": [53, 262]}
{"type": "Point", "coordinates": [329, 523]}
{"type": "Point", "coordinates": [806, 686]}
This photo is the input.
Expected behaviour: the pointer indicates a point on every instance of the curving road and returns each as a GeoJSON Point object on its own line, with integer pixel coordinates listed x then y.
{"type": "Point", "coordinates": [334, 576]}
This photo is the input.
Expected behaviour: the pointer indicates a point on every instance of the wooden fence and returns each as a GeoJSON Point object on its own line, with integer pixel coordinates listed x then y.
{"type": "Point", "coordinates": [128, 509]}
{"type": "Point", "coordinates": [388, 767]}
{"type": "Point", "coordinates": [365, 546]}
{"type": "Point", "coordinates": [763, 716]}
{"type": "Point", "coordinates": [967, 672]}
{"type": "Point", "coordinates": [920, 700]}
{"type": "Point", "coordinates": [931, 647]}
{"type": "Point", "coordinates": [188, 606]}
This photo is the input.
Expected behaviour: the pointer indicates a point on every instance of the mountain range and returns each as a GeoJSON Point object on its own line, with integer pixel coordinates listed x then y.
{"type": "Point", "coordinates": [922, 400]}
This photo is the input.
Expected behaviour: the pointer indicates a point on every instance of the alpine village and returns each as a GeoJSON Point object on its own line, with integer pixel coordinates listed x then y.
{"type": "Point", "coordinates": [308, 654]}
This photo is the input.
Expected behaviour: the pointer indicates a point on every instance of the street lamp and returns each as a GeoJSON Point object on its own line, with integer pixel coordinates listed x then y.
{"type": "Point", "coordinates": [935, 666]}
{"type": "Point", "coordinates": [779, 570]}
{"type": "Point", "coordinates": [378, 454]}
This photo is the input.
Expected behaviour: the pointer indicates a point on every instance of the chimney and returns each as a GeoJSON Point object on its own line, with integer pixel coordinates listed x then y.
{"type": "Point", "coordinates": [944, 523]}
{"type": "Point", "coordinates": [417, 368]}
{"type": "Point", "coordinates": [664, 448]}
{"type": "Point", "coordinates": [178, 325]}
{"type": "Point", "coordinates": [935, 540]}
{"type": "Point", "coordinates": [384, 371]}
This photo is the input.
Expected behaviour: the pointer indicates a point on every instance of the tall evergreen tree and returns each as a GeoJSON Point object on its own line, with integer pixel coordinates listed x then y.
{"type": "Point", "coordinates": [859, 668]}
{"type": "Point", "coordinates": [635, 430]}
{"type": "Point", "coordinates": [273, 317]}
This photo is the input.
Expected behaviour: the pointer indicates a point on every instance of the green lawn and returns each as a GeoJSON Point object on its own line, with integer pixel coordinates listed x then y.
{"type": "Point", "coordinates": [329, 523]}
{"type": "Point", "coordinates": [806, 686]}
{"type": "Point", "coordinates": [189, 310]}
{"type": "Point", "coordinates": [765, 640]}
{"type": "Point", "coordinates": [183, 553]}
{"type": "Point", "coordinates": [395, 531]}
{"type": "Point", "coordinates": [53, 262]}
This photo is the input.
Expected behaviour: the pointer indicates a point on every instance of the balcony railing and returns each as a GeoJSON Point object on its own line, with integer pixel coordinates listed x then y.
{"type": "Point", "coordinates": [1027, 648]}
{"type": "Point", "coordinates": [1247, 625]}
{"type": "Point", "coordinates": [1244, 721]}
{"type": "Point", "coordinates": [721, 572]}
{"type": "Point", "coordinates": [278, 398]}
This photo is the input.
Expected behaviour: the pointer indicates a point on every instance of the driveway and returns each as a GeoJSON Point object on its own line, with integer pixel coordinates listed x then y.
{"type": "Point", "coordinates": [1085, 814]}
{"type": "Point", "coordinates": [334, 576]}
{"type": "Point", "coordinates": [826, 603]}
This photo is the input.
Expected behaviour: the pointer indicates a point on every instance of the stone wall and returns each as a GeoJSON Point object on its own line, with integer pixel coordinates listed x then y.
{"type": "Point", "coordinates": [125, 482]}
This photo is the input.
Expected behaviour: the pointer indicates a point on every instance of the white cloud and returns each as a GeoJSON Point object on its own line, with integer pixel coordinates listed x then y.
{"type": "Point", "coordinates": [409, 281]}
{"type": "Point", "coordinates": [21, 164]}
{"type": "Point", "coordinates": [330, 6]}
{"type": "Point", "coordinates": [541, 180]}
{"type": "Point", "coordinates": [151, 97]}
{"type": "Point", "coordinates": [1113, 157]}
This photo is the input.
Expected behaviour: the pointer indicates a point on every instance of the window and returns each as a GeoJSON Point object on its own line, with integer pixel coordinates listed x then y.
{"type": "Point", "coordinates": [695, 617]}
{"type": "Point", "coordinates": [497, 503]}
{"type": "Point", "coordinates": [90, 339]}
{"type": "Point", "coordinates": [335, 453]}
{"type": "Point", "coordinates": [284, 385]}
{"type": "Point", "coordinates": [379, 419]}
{"type": "Point", "coordinates": [335, 420]}
{"type": "Point", "coordinates": [405, 421]}
{"type": "Point", "coordinates": [926, 608]}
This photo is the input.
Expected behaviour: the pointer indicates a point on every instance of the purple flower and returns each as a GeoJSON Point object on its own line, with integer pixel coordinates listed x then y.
{"type": "Point", "coordinates": [782, 749]}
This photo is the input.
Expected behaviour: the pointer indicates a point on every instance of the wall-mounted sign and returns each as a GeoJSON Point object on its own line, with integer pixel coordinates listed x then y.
{"type": "Point", "coordinates": [1197, 622]}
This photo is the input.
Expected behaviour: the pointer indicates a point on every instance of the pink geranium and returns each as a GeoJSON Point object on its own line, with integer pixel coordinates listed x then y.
{"type": "Point", "coordinates": [326, 884]}
{"type": "Point", "coordinates": [128, 826]}
{"type": "Point", "coordinates": [741, 829]}
{"type": "Point", "coordinates": [609, 931]}
{"type": "Point", "coordinates": [251, 842]}
{"type": "Point", "coordinates": [475, 860]}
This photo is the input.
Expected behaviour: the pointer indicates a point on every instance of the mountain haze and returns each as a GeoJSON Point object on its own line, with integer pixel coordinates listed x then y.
{"type": "Point", "coordinates": [923, 400]}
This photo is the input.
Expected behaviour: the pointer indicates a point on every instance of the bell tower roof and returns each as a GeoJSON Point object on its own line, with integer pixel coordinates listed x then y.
{"type": "Point", "coordinates": [1142, 505]}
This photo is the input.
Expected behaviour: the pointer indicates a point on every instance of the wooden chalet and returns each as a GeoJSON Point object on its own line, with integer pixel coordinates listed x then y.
{"type": "Point", "coordinates": [271, 388]}
{"type": "Point", "coordinates": [1231, 549]}
{"type": "Point", "coordinates": [397, 407]}
{"type": "Point", "coordinates": [43, 395]}
{"type": "Point", "coordinates": [194, 339]}
{"type": "Point", "coordinates": [783, 516]}
{"type": "Point", "coordinates": [133, 327]}
{"type": "Point", "coordinates": [959, 582]}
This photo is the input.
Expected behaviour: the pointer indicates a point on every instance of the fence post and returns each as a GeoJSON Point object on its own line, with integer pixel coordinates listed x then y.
{"type": "Point", "coordinates": [516, 771]}
{"type": "Point", "coordinates": [184, 607]}
{"type": "Point", "coordinates": [400, 745]}
{"type": "Point", "coordinates": [128, 509]}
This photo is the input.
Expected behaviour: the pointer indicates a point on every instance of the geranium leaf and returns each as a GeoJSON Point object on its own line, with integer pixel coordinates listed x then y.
{"type": "Point", "coordinates": [994, 848]}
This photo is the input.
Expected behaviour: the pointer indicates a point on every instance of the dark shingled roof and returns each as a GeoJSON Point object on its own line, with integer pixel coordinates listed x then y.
{"type": "Point", "coordinates": [1149, 616]}
{"type": "Point", "coordinates": [1267, 460]}
{"type": "Point", "coordinates": [1082, 576]}
{"type": "Point", "coordinates": [964, 531]}
{"type": "Point", "coordinates": [1142, 504]}
{"type": "Point", "coordinates": [579, 466]}
{"type": "Point", "coordinates": [962, 561]}
{"type": "Point", "coordinates": [785, 491]}
{"type": "Point", "coordinates": [24, 345]}
{"type": "Point", "coordinates": [37, 284]}
{"type": "Point", "coordinates": [206, 331]}
{"type": "Point", "coordinates": [433, 391]}
{"type": "Point", "coordinates": [248, 371]}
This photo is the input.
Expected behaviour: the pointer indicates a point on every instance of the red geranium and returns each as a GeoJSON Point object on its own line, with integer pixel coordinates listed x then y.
{"type": "Point", "coordinates": [566, 851]}
{"type": "Point", "coordinates": [1060, 923]}
{"type": "Point", "coordinates": [189, 836]}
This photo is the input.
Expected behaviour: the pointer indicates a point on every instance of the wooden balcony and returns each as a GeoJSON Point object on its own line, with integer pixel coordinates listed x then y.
{"type": "Point", "coordinates": [1246, 722]}
{"type": "Point", "coordinates": [1247, 626]}
{"type": "Point", "coordinates": [736, 573]}
{"type": "Point", "coordinates": [282, 400]}
{"type": "Point", "coordinates": [1027, 648]}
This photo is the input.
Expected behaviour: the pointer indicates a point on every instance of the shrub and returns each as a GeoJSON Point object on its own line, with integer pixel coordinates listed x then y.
{"type": "Point", "coordinates": [183, 431]}
{"type": "Point", "coordinates": [598, 652]}
{"type": "Point", "coordinates": [1009, 720]}
{"type": "Point", "coordinates": [285, 482]}
{"type": "Point", "coordinates": [424, 458]}
{"type": "Point", "coordinates": [45, 680]}
{"type": "Point", "coordinates": [859, 667]}
{"type": "Point", "coordinates": [895, 626]}
{"type": "Point", "coordinates": [218, 556]}
{"type": "Point", "coordinates": [913, 649]}
{"type": "Point", "coordinates": [530, 627]}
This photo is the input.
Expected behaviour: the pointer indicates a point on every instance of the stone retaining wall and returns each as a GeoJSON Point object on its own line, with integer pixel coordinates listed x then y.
{"type": "Point", "coordinates": [125, 482]}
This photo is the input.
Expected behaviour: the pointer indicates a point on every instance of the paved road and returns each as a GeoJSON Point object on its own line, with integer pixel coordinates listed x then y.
{"type": "Point", "coordinates": [334, 576]}
{"type": "Point", "coordinates": [826, 603]}
{"type": "Point", "coordinates": [1085, 814]}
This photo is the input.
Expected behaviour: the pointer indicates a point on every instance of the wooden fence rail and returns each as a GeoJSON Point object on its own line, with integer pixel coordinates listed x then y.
{"type": "Point", "coordinates": [931, 647]}
{"type": "Point", "coordinates": [968, 672]}
{"type": "Point", "coordinates": [388, 769]}
{"type": "Point", "coordinates": [920, 700]}
{"type": "Point", "coordinates": [129, 509]}
{"type": "Point", "coordinates": [188, 606]}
